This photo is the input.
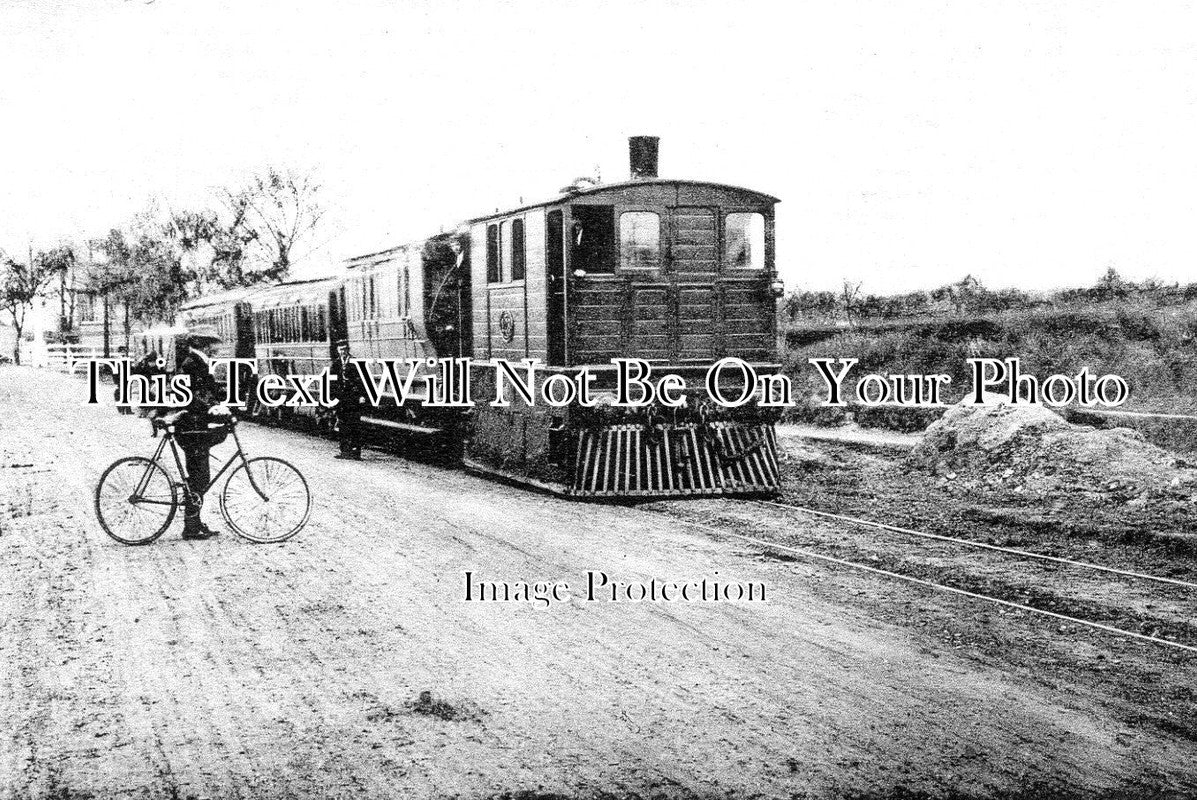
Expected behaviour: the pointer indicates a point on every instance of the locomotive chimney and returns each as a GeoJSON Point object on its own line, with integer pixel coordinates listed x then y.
{"type": "Point", "coordinates": [642, 152]}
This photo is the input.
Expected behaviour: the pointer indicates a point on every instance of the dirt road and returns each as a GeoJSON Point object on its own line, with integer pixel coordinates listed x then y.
{"type": "Point", "coordinates": [224, 669]}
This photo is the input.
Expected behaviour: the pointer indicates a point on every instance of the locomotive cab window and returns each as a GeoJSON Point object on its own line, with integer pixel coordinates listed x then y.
{"type": "Point", "coordinates": [744, 241]}
{"type": "Point", "coordinates": [639, 240]}
{"type": "Point", "coordinates": [592, 239]}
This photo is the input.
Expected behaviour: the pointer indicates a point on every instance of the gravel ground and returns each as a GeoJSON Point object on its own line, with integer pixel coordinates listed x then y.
{"type": "Point", "coordinates": [345, 663]}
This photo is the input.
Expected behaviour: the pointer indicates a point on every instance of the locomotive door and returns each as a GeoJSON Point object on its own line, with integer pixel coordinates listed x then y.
{"type": "Point", "coordinates": [555, 283]}
{"type": "Point", "coordinates": [693, 267]}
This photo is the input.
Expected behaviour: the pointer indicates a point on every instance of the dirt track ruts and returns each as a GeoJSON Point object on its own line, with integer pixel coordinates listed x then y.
{"type": "Point", "coordinates": [224, 669]}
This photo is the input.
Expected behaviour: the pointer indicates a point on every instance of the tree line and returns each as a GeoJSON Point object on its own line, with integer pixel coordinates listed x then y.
{"type": "Point", "coordinates": [162, 257]}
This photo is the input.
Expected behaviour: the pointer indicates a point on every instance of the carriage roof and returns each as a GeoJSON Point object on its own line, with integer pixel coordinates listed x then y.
{"type": "Point", "coordinates": [227, 297]}
{"type": "Point", "coordinates": [293, 293]}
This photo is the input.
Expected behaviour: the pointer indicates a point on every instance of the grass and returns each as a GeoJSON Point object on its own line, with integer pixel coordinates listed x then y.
{"type": "Point", "coordinates": [1154, 348]}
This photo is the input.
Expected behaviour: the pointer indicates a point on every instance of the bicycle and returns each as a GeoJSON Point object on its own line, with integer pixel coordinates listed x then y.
{"type": "Point", "coordinates": [264, 499]}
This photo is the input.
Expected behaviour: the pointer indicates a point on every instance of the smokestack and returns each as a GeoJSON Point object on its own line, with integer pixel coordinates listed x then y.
{"type": "Point", "coordinates": [642, 152]}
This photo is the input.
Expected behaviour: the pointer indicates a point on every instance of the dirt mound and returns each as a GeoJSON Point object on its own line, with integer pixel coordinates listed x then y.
{"type": "Point", "coordinates": [1031, 449]}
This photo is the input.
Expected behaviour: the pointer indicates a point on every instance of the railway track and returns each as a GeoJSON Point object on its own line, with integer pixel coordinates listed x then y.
{"type": "Point", "coordinates": [1162, 607]}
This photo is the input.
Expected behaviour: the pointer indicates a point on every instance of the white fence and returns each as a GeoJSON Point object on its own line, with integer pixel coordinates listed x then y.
{"type": "Point", "coordinates": [69, 358]}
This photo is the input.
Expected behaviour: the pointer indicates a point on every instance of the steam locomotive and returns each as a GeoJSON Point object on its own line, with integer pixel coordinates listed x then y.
{"type": "Point", "coordinates": [679, 273]}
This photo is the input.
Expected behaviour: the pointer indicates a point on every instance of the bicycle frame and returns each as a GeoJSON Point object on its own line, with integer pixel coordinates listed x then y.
{"type": "Point", "coordinates": [169, 437]}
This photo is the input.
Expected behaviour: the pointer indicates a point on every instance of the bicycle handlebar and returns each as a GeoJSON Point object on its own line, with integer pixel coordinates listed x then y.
{"type": "Point", "coordinates": [168, 421]}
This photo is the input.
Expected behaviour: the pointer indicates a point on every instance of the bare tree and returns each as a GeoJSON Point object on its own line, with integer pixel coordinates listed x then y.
{"type": "Point", "coordinates": [272, 218]}
{"type": "Point", "coordinates": [850, 298]}
{"type": "Point", "coordinates": [254, 235]}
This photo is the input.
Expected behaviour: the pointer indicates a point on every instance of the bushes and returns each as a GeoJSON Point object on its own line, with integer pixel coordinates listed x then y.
{"type": "Point", "coordinates": [1154, 349]}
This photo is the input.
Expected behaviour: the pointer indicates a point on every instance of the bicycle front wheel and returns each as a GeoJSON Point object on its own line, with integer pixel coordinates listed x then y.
{"type": "Point", "coordinates": [266, 500]}
{"type": "Point", "coordinates": [136, 500]}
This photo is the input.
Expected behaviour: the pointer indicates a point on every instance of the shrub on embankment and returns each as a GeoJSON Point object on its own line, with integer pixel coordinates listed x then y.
{"type": "Point", "coordinates": [1154, 348]}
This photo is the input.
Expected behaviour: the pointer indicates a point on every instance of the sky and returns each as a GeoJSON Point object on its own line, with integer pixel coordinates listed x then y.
{"type": "Point", "coordinates": [1029, 144]}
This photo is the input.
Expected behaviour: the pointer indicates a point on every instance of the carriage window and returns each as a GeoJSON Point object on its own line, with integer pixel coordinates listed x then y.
{"type": "Point", "coordinates": [492, 253]}
{"type": "Point", "coordinates": [639, 240]}
{"type": "Point", "coordinates": [504, 254]}
{"type": "Point", "coordinates": [592, 238]}
{"type": "Point", "coordinates": [517, 250]}
{"type": "Point", "coordinates": [744, 241]}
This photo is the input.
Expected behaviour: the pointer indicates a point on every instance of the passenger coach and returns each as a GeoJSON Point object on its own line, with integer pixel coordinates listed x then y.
{"type": "Point", "coordinates": [294, 330]}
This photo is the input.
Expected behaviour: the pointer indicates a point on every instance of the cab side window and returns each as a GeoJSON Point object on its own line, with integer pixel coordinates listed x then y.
{"type": "Point", "coordinates": [744, 241]}
{"type": "Point", "coordinates": [639, 240]}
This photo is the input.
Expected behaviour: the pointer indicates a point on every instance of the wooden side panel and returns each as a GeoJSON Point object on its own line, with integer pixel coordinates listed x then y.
{"type": "Point", "coordinates": [537, 309]}
{"type": "Point", "coordinates": [507, 306]}
{"type": "Point", "coordinates": [697, 321]}
{"type": "Point", "coordinates": [596, 330]}
{"type": "Point", "coordinates": [695, 240]}
{"type": "Point", "coordinates": [748, 310]}
{"type": "Point", "coordinates": [648, 334]}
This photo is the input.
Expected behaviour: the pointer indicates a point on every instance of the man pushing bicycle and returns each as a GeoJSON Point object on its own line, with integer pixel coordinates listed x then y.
{"type": "Point", "coordinates": [263, 499]}
{"type": "Point", "coordinates": [194, 436]}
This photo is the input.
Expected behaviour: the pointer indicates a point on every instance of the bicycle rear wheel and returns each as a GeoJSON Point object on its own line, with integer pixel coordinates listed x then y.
{"type": "Point", "coordinates": [272, 507]}
{"type": "Point", "coordinates": [136, 500]}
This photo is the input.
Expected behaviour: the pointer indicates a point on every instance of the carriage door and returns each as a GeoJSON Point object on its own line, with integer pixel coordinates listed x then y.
{"type": "Point", "coordinates": [694, 261]}
{"type": "Point", "coordinates": [555, 286]}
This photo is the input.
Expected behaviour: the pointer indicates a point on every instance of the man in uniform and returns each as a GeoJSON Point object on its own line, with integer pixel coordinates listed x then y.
{"type": "Point", "coordinates": [347, 388]}
{"type": "Point", "coordinates": [192, 430]}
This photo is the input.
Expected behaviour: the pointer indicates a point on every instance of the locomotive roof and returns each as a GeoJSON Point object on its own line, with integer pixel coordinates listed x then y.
{"type": "Point", "coordinates": [291, 293]}
{"type": "Point", "coordinates": [617, 187]}
{"type": "Point", "coordinates": [380, 255]}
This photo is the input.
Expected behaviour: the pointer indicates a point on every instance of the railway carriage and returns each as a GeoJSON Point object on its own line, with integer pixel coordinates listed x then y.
{"type": "Point", "coordinates": [409, 303]}
{"type": "Point", "coordinates": [294, 329]}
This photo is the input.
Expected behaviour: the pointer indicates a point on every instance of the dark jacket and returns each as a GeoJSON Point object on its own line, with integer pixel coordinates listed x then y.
{"type": "Point", "coordinates": [347, 387]}
{"type": "Point", "coordinates": [205, 392]}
